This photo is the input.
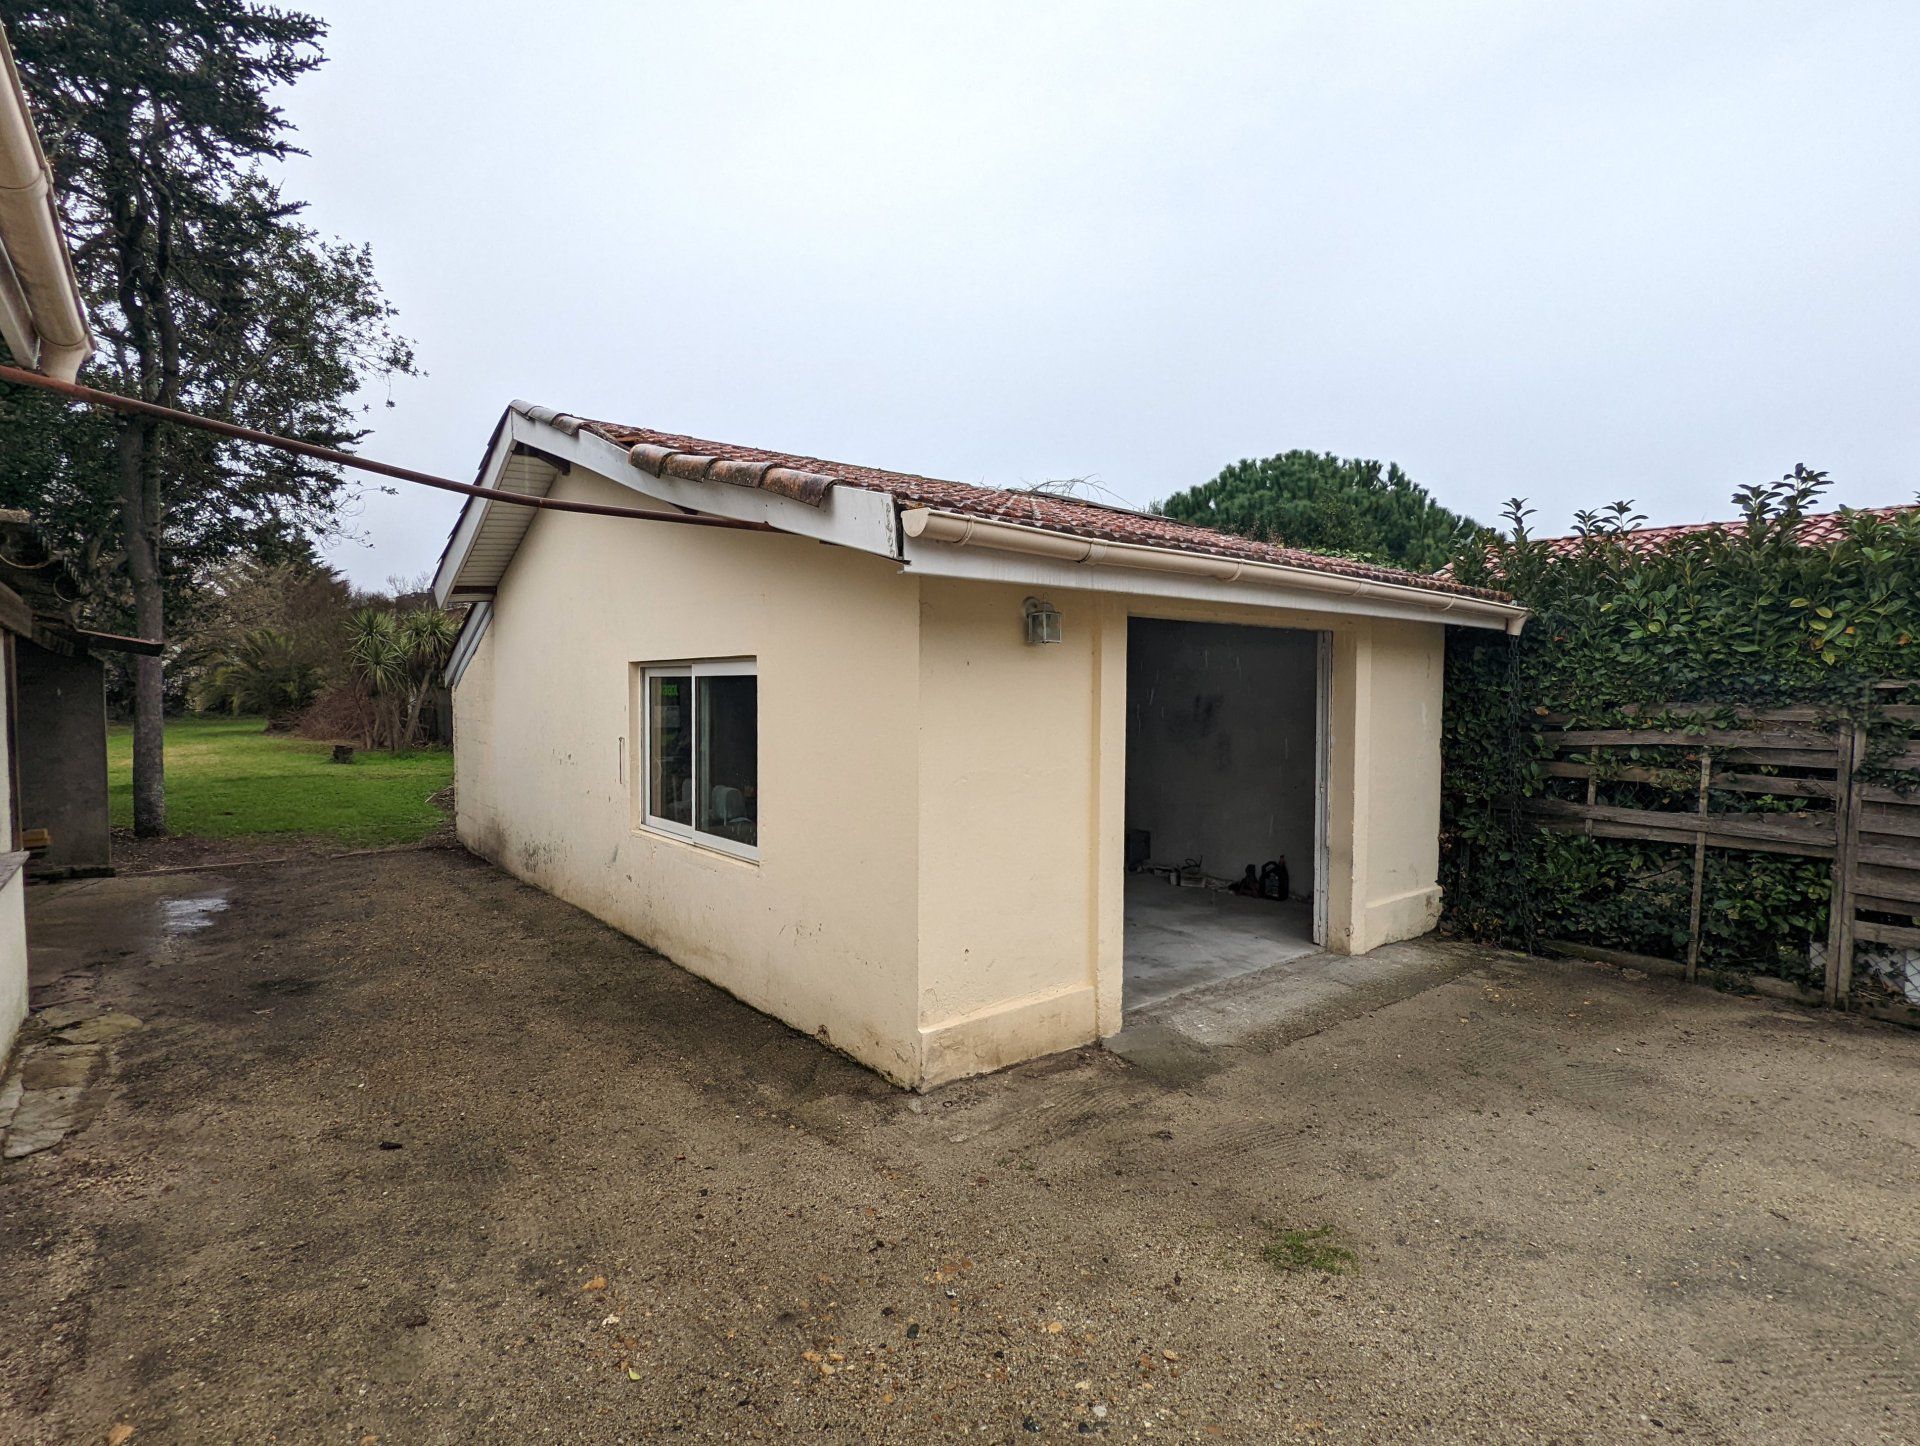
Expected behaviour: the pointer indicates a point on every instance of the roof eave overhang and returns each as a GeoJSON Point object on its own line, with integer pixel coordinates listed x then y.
{"type": "Point", "coordinates": [932, 541]}
{"type": "Point", "coordinates": [41, 313]}
{"type": "Point", "coordinates": [847, 517]}
{"type": "Point", "coordinates": [954, 544]}
{"type": "Point", "coordinates": [448, 576]}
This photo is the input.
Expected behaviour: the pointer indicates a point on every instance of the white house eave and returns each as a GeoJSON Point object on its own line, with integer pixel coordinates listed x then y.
{"type": "Point", "coordinates": [933, 542]}
{"type": "Point", "coordinates": [848, 517]}
{"type": "Point", "coordinates": [453, 580]}
{"type": "Point", "coordinates": [956, 545]}
{"type": "Point", "coordinates": [41, 313]}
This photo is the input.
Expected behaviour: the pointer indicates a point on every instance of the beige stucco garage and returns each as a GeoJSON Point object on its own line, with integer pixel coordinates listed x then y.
{"type": "Point", "coordinates": [830, 765]}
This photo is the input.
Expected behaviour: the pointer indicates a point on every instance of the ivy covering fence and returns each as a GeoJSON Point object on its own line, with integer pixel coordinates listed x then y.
{"type": "Point", "coordinates": [1643, 654]}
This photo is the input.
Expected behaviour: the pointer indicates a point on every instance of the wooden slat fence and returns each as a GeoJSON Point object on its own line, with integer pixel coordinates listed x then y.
{"type": "Point", "coordinates": [1870, 832]}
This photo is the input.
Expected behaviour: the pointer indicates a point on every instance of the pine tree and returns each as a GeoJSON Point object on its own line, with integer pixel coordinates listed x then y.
{"type": "Point", "coordinates": [1324, 503]}
{"type": "Point", "coordinates": [207, 293]}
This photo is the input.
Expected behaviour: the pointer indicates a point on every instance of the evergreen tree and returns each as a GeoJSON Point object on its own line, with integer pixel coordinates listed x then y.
{"type": "Point", "coordinates": [1324, 503]}
{"type": "Point", "coordinates": [207, 293]}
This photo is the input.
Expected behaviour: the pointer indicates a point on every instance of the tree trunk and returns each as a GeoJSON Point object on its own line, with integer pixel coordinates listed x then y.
{"type": "Point", "coordinates": [139, 518]}
{"type": "Point", "coordinates": [413, 716]}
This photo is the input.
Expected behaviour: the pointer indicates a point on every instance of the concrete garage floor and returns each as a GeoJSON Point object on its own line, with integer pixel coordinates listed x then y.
{"type": "Point", "coordinates": [1181, 939]}
{"type": "Point", "coordinates": [404, 1149]}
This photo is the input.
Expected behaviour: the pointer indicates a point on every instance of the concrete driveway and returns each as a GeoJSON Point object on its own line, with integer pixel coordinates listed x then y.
{"type": "Point", "coordinates": [401, 1150]}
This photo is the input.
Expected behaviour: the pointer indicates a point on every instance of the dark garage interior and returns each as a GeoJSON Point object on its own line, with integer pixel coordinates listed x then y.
{"type": "Point", "coordinates": [1222, 778]}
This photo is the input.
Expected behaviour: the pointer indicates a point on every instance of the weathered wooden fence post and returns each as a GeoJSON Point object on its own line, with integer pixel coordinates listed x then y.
{"type": "Point", "coordinates": [1846, 826]}
{"type": "Point", "coordinates": [1699, 868]}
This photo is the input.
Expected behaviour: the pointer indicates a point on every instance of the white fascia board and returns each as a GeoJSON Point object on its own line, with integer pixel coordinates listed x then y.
{"type": "Point", "coordinates": [467, 527]}
{"type": "Point", "coordinates": [852, 517]}
{"type": "Point", "coordinates": [479, 617]}
{"type": "Point", "coordinates": [984, 564]}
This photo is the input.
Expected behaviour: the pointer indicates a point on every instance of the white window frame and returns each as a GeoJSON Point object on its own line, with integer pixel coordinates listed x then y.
{"type": "Point", "coordinates": [642, 730]}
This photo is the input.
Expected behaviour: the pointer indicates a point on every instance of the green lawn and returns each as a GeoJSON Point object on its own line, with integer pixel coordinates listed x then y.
{"type": "Point", "coordinates": [227, 777]}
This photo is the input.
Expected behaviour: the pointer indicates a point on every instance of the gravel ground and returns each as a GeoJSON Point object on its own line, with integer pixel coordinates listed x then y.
{"type": "Point", "coordinates": [407, 1151]}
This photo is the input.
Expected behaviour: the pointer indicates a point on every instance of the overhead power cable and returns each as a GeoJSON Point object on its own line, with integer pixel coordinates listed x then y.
{"type": "Point", "coordinates": [113, 401]}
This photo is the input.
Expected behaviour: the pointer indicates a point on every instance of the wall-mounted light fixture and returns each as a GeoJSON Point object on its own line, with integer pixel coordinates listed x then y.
{"type": "Point", "coordinates": [1043, 622]}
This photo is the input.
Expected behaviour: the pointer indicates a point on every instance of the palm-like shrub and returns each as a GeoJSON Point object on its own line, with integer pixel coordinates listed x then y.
{"type": "Point", "coordinates": [395, 658]}
{"type": "Point", "coordinates": [266, 672]}
{"type": "Point", "coordinates": [377, 658]}
{"type": "Point", "coordinates": [427, 636]}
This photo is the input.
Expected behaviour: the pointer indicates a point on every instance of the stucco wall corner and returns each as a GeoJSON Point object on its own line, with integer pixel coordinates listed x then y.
{"type": "Point", "coordinates": [1407, 916]}
{"type": "Point", "coordinates": [1006, 1034]}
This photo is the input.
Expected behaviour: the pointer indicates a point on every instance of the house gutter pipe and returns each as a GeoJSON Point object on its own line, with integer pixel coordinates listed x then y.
{"type": "Point", "coordinates": [41, 313]}
{"type": "Point", "coordinates": [957, 530]}
{"type": "Point", "coordinates": [113, 401]}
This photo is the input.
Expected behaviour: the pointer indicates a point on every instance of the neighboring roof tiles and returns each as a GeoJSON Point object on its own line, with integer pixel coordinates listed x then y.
{"type": "Point", "coordinates": [1817, 529]}
{"type": "Point", "coordinates": [692, 458]}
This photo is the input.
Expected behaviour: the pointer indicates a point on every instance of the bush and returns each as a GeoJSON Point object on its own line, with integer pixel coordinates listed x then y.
{"type": "Point", "coordinates": [1623, 626]}
{"type": "Point", "coordinates": [341, 713]}
{"type": "Point", "coordinates": [266, 672]}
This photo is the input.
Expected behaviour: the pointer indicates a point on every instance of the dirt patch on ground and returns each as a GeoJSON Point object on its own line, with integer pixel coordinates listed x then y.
{"type": "Point", "coordinates": [173, 853]}
{"type": "Point", "coordinates": [135, 855]}
{"type": "Point", "coordinates": [408, 1150]}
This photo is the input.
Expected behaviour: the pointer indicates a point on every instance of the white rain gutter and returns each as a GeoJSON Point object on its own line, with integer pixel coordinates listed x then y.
{"type": "Point", "coordinates": [958, 530]}
{"type": "Point", "coordinates": [41, 314]}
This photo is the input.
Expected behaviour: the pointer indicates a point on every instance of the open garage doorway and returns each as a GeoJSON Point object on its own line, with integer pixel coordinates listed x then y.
{"type": "Point", "coordinates": [1225, 802]}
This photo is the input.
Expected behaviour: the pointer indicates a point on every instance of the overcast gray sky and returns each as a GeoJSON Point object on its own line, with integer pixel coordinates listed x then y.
{"type": "Point", "coordinates": [1567, 251]}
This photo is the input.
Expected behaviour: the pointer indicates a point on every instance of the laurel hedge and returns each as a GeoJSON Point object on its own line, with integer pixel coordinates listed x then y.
{"type": "Point", "coordinates": [1743, 615]}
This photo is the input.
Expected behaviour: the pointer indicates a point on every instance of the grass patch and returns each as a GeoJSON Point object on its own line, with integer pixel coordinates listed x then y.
{"type": "Point", "coordinates": [1292, 1249]}
{"type": "Point", "coordinates": [229, 778]}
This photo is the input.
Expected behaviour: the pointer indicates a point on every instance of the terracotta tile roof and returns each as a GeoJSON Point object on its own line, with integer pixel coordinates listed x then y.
{"type": "Point", "coordinates": [1816, 529]}
{"type": "Point", "coordinates": [1053, 513]}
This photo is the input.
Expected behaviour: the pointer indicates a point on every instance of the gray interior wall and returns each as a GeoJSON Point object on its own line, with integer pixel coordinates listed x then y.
{"type": "Point", "coordinates": [61, 731]}
{"type": "Point", "coordinates": [1220, 744]}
